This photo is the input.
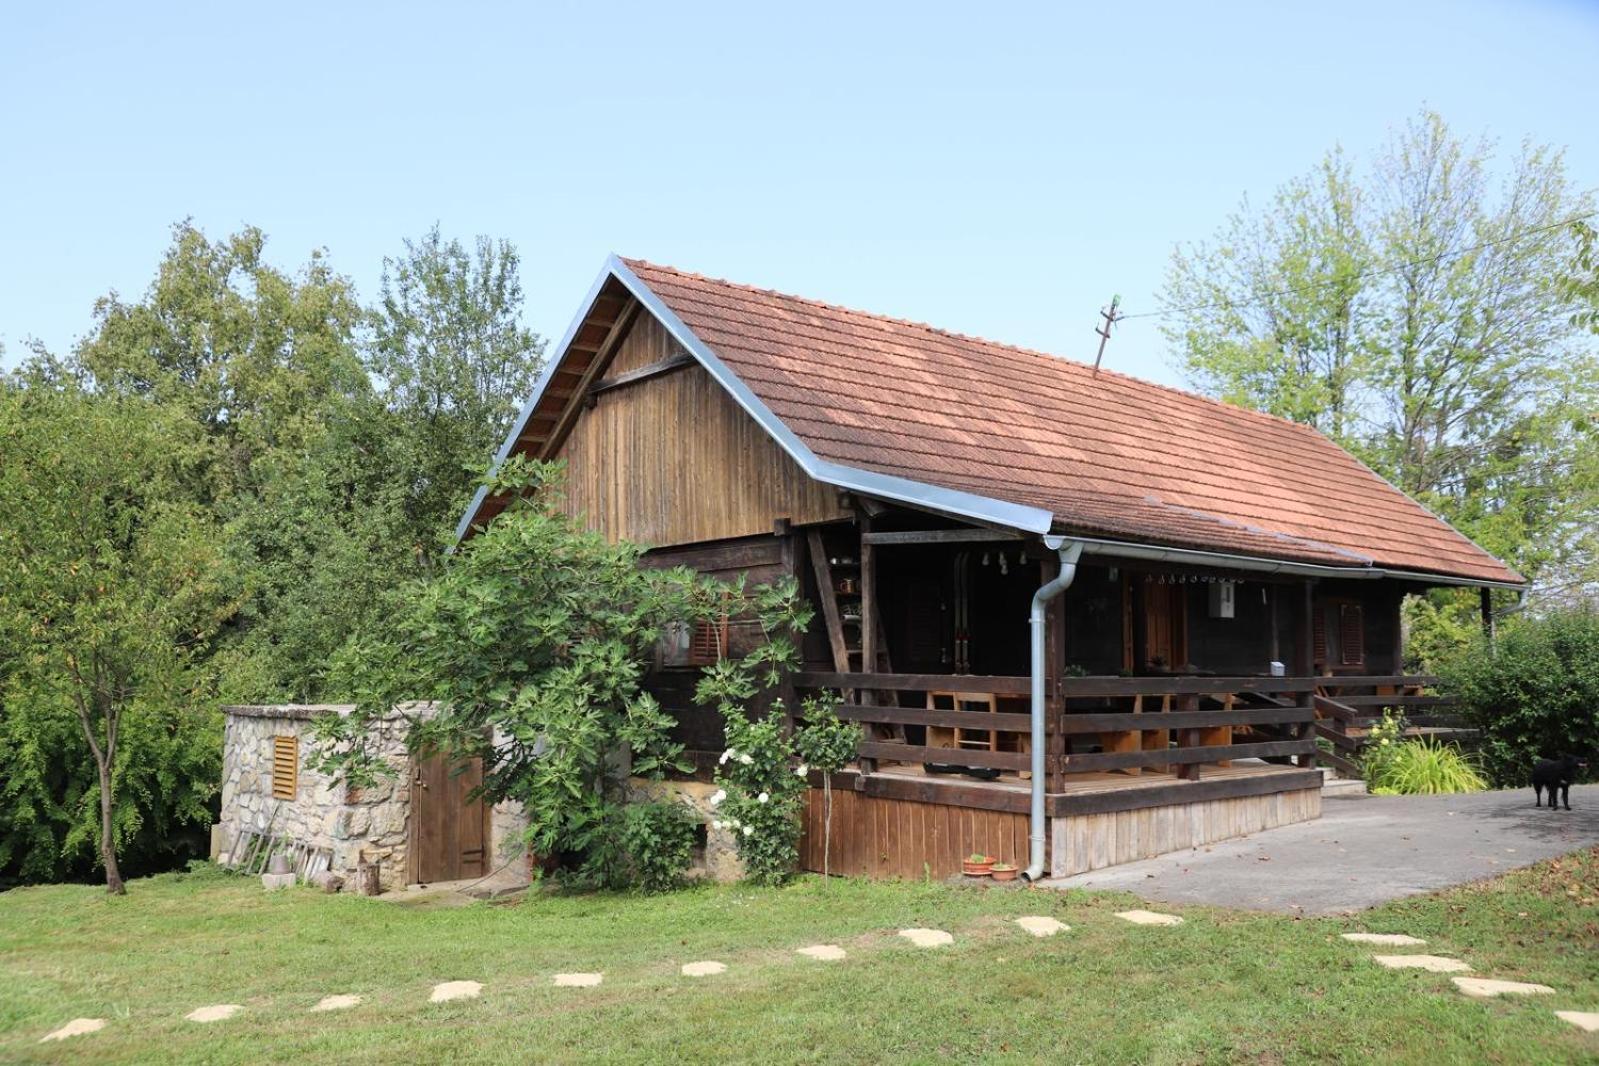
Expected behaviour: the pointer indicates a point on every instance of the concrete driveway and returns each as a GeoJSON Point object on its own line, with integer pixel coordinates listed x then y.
{"type": "Point", "coordinates": [1364, 850]}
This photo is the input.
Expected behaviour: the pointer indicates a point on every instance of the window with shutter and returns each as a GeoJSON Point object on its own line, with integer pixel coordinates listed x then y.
{"type": "Point", "coordinates": [1318, 639]}
{"type": "Point", "coordinates": [1351, 635]}
{"type": "Point", "coordinates": [708, 643]}
{"type": "Point", "coordinates": [285, 767]}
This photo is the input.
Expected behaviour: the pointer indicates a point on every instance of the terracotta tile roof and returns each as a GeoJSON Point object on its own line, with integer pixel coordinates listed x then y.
{"type": "Point", "coordinates": [1108, 454]}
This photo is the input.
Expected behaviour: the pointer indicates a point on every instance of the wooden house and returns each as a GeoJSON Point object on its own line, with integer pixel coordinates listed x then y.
{"type": "Point", "coordinates": [1085, 618]}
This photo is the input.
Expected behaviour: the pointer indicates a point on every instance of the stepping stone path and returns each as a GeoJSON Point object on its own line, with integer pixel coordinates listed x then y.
{"type": "Point", "coordinates": [1148, 918]}
{"type": "Point", "coordinates": [455, 990]}
{"type": "Point", "coordinates": [221, 1012]}
{"type": "Point", "coordinates": [927, 938]}
{"type": "Point", "coordinates": [822, 952]}
{"type": "Point", "coordinates": [1430, 963]}
{"type": "Point", "coordinates": [703, 969]}
{"type": "Point", "coordinates": [1586, 1020]}
{"type": "Point", "coordinates": [1393, 940]}
{"type": "Point", "coordinates": [336, 1003]}
{"type": "Point", "coordinates": [1487, 987]}
{"type": "Point", "coordinates": [76, 1027]}
{"type": "Point", "coordinates": [578, 980]}
{"type": "Point", "coordinates": [1040, 926]}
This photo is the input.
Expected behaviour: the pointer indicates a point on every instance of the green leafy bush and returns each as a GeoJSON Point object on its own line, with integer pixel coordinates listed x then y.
{"type": "Point", "coordinates": [657, 840]}
{"type": "Point", "coordinates": [1533, 693]}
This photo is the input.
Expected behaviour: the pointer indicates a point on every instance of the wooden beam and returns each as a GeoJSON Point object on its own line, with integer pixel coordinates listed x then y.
{"type": "Point", "coordinates": [1000, 685]}
{"type": "Point", "coordinates": [613, 337]}
{"type": "Point", "coordinates": [823, 573]}
{"type": "Point", "coordinates": [643, 373]}
{"type": "Point", "coordinates": [1168, 795]}
{"type": "Point", "coordinates": [940, 536]}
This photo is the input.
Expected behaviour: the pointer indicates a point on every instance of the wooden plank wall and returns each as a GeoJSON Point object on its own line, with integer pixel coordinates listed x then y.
{"type": "Point", "coordinates": [883, 838]}
{"type": "Point", "coordinates": [674, 460]}
{"type": "Point", "coordinates": [1079, 843]}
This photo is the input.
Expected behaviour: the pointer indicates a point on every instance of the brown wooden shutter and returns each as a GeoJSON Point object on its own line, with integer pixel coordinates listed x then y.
{"type": "Point", "coordinates": [285, 767]}
{"type": "Point", "coordinates": [1351, 635]}
{"type": "Point", "coordinates": [708, 643]}
{"type": "Point", "coordinates": [1318, 638]}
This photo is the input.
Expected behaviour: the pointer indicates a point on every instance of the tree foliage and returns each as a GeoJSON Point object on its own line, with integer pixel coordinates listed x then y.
{"type": "Point", "coordinates": [533, 644]}
{"type": "Point", "coordinates": [295, 435]}
{"type": "Point", "coordinates": [1533, 692]}
{"type": "Point", "coordinates": [1417, 314]}
{"type": "Point", "coordinates": [114, 591]}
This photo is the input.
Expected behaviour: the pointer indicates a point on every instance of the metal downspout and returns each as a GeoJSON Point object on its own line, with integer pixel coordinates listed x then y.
{"type": "Point", "coordinates": [1069, 553]}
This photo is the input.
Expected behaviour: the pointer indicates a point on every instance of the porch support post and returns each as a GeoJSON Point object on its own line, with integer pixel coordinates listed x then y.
{"type": "Point", "coordinates": [1487, 612]}
{"type": "Point", "coordinates": [1305, 660]}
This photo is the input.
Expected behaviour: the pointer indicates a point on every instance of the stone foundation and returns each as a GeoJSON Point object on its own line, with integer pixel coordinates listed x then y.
{"type": "Point", "coordinates": [1079, 843]}
{"type": "Point", "coordinates": [718, 860]}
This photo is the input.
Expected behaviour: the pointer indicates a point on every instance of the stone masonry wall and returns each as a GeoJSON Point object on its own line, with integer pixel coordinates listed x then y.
{"type": "Point", "coordinates": [370, 824]}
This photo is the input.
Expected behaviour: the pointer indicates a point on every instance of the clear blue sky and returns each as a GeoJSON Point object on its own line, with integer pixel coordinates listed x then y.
{"type": "Point", "coordinates": [998, 170]}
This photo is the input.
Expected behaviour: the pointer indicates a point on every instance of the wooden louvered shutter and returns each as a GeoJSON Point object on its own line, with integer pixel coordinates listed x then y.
{"type": "Point", "coordinates": [285, 767]}
{"type": "Point", "coordinates": [1351, 635]}
{"type": "Point", "coordinates": [1318, 638]}
{"type": "Point", "coordinates": [707, 646]}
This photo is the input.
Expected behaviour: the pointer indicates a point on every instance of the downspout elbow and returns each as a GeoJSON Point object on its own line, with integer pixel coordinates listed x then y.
{"type": "Point", "coordinates": [1069, 552]}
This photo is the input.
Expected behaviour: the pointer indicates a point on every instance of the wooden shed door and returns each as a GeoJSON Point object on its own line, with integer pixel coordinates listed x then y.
{"type": "Point", "coordinates": [1165, 626]}
{"type": "Point", "coordinates": [449, 832]}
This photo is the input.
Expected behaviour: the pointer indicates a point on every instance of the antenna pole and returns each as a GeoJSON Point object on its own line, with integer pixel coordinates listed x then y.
{"type": "Point", "coordinates": [1111, 318]}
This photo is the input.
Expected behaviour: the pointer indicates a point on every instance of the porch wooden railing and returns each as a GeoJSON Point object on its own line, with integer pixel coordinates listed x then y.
{"type": "Point", "coordinates": [1136, 723]}
{"type": "Point", "coordinates": [1181, 723]}
{"type": "Point", "coordinates": [1347, 706]}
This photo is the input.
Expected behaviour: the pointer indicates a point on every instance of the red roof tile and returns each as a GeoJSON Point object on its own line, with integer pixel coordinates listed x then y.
{"type": "Point", "coordinates": [1108, 454]}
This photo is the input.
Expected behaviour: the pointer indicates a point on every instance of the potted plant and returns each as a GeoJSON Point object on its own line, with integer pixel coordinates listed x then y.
{"type": "Point", "coordinates": [1003, 871]}
{"type": "Point", "coordinates": [977, 864]}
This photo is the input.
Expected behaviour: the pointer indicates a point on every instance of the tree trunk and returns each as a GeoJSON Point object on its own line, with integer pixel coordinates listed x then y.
{"type": "Point", "coordinates": [827, 820]}
{"type": "Point", "coordinates": [108, 850]}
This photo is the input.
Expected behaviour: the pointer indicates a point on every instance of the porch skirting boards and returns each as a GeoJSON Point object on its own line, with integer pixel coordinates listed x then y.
{"type": "Point", "coordinates": [1083, 842]}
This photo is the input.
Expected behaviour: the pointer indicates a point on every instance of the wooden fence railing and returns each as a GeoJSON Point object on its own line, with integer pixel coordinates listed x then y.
{"type": "Point", "coordinates": [1348, 706]}
{"type": "Point", "coordinates": [1124, 724]}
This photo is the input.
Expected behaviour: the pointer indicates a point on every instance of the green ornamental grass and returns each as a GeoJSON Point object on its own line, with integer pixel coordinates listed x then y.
{"type": "Point", "coordinates": [1425, 768]}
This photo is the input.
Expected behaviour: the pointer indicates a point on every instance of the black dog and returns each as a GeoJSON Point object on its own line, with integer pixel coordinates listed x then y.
{"type": "Point", "coordinates": [1556, 775]}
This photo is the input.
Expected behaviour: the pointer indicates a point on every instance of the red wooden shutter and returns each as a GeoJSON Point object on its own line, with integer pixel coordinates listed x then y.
{"type": "Point", "coordinates": [1351, 635]}
{"type": "Point", "coordinates": [1318, 639]}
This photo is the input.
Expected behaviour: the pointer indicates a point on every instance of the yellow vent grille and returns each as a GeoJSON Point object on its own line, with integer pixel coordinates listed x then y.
{"type": "Point", "coordinates": [285, 767]}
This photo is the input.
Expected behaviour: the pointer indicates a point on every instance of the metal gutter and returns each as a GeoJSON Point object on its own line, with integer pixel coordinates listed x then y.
{"type": "Point", "coordinates": [1259, 564]}
{"type": "Point", "coordinates": [1038, 625]}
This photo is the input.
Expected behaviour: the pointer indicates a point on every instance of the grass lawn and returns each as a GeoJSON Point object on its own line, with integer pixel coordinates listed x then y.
{"type": "Point", "coordinates": [1223, 987]}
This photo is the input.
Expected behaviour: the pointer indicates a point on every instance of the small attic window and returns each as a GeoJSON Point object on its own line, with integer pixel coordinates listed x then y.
{"type": "Point", "coordinates": [285, 767]}
{"type": "Point", "coordinates": [707, 645]}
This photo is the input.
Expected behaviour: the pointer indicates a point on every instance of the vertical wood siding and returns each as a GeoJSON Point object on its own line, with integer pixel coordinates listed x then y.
{"type": "Point", "coordinates": [878, 837]}
{"type": "Point", "coordinates": [673, 460]}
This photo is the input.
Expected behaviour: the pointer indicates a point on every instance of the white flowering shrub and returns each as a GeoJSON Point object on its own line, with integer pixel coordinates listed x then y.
{"type": "Point", "coordinates": [759, 795]}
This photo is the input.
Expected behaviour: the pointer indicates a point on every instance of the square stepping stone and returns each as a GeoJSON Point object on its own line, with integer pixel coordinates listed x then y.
{"type": "Point", "coordinates": [1042, 926]}
{"type": "Point", "coordinates": [219, 1013]}
{"type": "Point", "coordinates": [336, 1003]}
{"type": "Point", "coordinates": [927, 938]}
{"type": "Point", "coordinates": [1487, 987]}
{"type": "Point", "coordinates": [822, 952]}
{"type": "Point", "coordinates": [578, 980]}
{"type": "Point", "coordinates": [1149, 918]}
{"type": "Point", "coordinates": [1430, 963]}
{"type": "Point", "coordinates": [444, 993]}
{"type": "Point", "coordinates": [703, 969]}
{"type": "Point", "coordinates": [1393, 940]}
{"type": "Point", "coordinates": [1586, 1020]}
{"type": "Point", "coordinates": [76, 1027]}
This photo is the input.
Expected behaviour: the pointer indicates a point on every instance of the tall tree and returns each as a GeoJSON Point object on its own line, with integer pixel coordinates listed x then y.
{"type": "Point", "coordinates": [455, 361]}
{"type": "Point", "coordinates": [1416, 315]}
{"type": "Point", "coordinates": [113, 583]}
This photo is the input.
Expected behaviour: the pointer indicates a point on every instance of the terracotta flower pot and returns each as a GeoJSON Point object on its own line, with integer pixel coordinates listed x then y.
{"type": "Point", "coordinates": [977, 869]}
{"type": "Point", "coordinates": [1006, 874]}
